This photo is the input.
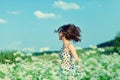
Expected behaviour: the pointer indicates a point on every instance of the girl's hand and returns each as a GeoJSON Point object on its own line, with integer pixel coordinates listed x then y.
{"type": "Point", "coordinates": [79, 66]}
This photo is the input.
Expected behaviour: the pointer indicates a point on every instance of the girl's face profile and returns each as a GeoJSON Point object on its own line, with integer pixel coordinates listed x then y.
{"type": "Point", "coordinates": [60, 36]}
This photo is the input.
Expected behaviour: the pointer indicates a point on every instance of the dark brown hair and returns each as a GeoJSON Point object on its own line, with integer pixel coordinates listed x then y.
{"type": "Point", "coordinates": [70, 31]}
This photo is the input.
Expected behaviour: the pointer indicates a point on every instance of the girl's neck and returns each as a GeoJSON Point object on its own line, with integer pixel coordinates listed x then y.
{"type": "Point", "coordinates": [66, 42]}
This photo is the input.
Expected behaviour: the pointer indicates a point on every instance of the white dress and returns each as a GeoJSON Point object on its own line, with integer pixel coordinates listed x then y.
{"type": "Point", "coordinates": [67, 67]}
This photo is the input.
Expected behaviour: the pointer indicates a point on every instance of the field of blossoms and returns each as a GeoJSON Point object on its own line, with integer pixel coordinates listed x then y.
{"type": "Point", "coordinates": [95, 66]}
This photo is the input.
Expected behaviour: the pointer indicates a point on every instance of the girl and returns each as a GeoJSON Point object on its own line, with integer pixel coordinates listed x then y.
{"type": "Point", "coordinates": [68, 33]}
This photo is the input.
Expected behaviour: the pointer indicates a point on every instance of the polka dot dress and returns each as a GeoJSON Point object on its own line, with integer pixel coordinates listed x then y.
{"type": "Point", "coordinates": [67, 70]}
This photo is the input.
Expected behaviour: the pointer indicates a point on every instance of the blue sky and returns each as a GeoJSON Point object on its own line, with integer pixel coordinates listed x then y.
{"type": "Point", "coordinates": [30, 23]}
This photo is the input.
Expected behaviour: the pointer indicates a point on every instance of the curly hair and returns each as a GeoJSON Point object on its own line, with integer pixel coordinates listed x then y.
{"type": "Point", "coordinates": [70, 31]}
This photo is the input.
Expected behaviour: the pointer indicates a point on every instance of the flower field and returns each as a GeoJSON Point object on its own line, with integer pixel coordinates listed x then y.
{"type": "Point", "coordinates": [95, 66]}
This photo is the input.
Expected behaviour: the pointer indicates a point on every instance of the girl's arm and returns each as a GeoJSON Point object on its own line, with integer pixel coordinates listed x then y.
{"type": "Point", "coordinates": [73, 51]}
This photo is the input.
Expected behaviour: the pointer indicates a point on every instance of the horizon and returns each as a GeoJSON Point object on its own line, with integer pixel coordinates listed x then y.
{"type": "Point", "coordinates": [31, 23]}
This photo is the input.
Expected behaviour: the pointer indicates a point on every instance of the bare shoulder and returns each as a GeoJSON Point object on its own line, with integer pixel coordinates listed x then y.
{"type": "Point", "coordinates": [71, 47]}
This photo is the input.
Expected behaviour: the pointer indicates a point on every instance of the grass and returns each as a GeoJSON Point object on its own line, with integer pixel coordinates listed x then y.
{"type": "Point", "coordinates": [97, 64]}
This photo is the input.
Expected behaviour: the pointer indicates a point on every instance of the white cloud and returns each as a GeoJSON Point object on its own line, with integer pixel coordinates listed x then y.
{"type": "Point", "coordinates": [44, 49]}
{"type": "Point", "coordinates": [65, 5]}
{"type": "Point", "coordinates": [14, 12]}
{"type": "Point", "coordinates": [2, 21]}
{"type": "Point", "coordinates": [43, 15]}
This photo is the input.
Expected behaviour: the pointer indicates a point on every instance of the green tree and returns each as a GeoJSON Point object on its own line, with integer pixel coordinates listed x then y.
{"type": "Point", "coordinates": [117, 43]}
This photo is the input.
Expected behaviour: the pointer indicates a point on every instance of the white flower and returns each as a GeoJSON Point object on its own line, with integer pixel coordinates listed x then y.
{"type": "Point", "coordinates": [44, 49]}
{"type": "Point", "coordinates": [11, 66]}
{"type": "Point", "coordinates": [54, 54]}
{"type": "Point", "coordinates": [93, 47]}
{"type": "Point", "coordinates": [78, 48]}
{"type": "Point", "coordinates": [87, 53]}
{"type": "Point", "coordinates": [28, 77]}
{"type": "Point", "coordinates": [18, 59]}
{"type": "Point", "coordinates": [17, 53]}
{"type": "Point", "coordinates": [115, 54]}
{"type": "Point", "coordinates": [6, 78]}
{"type": "Point", "coordinates": [34, 58]}
{"type": "Point", "coordinates": [22, 54]}
{"type": "Point", "coordinates": [6, 60]}
{"type": "Point", "coordinates": [92, 51]}
{"type": "Point", "coordinates": [101, 49]}
{"type": "Point", "coordinates": [29, 54]}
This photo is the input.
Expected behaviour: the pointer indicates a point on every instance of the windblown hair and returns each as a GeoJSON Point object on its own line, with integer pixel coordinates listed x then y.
{"type": "Point", "coordinates": [70, 31]}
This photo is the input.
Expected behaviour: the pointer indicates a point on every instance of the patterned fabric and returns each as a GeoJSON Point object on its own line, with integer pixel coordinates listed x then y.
{"type": "Point", "coordinates": [67, 68]}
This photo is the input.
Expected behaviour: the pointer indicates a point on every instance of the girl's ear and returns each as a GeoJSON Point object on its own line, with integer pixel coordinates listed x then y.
{"type": "Point", "coordinates": [62, 36]}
